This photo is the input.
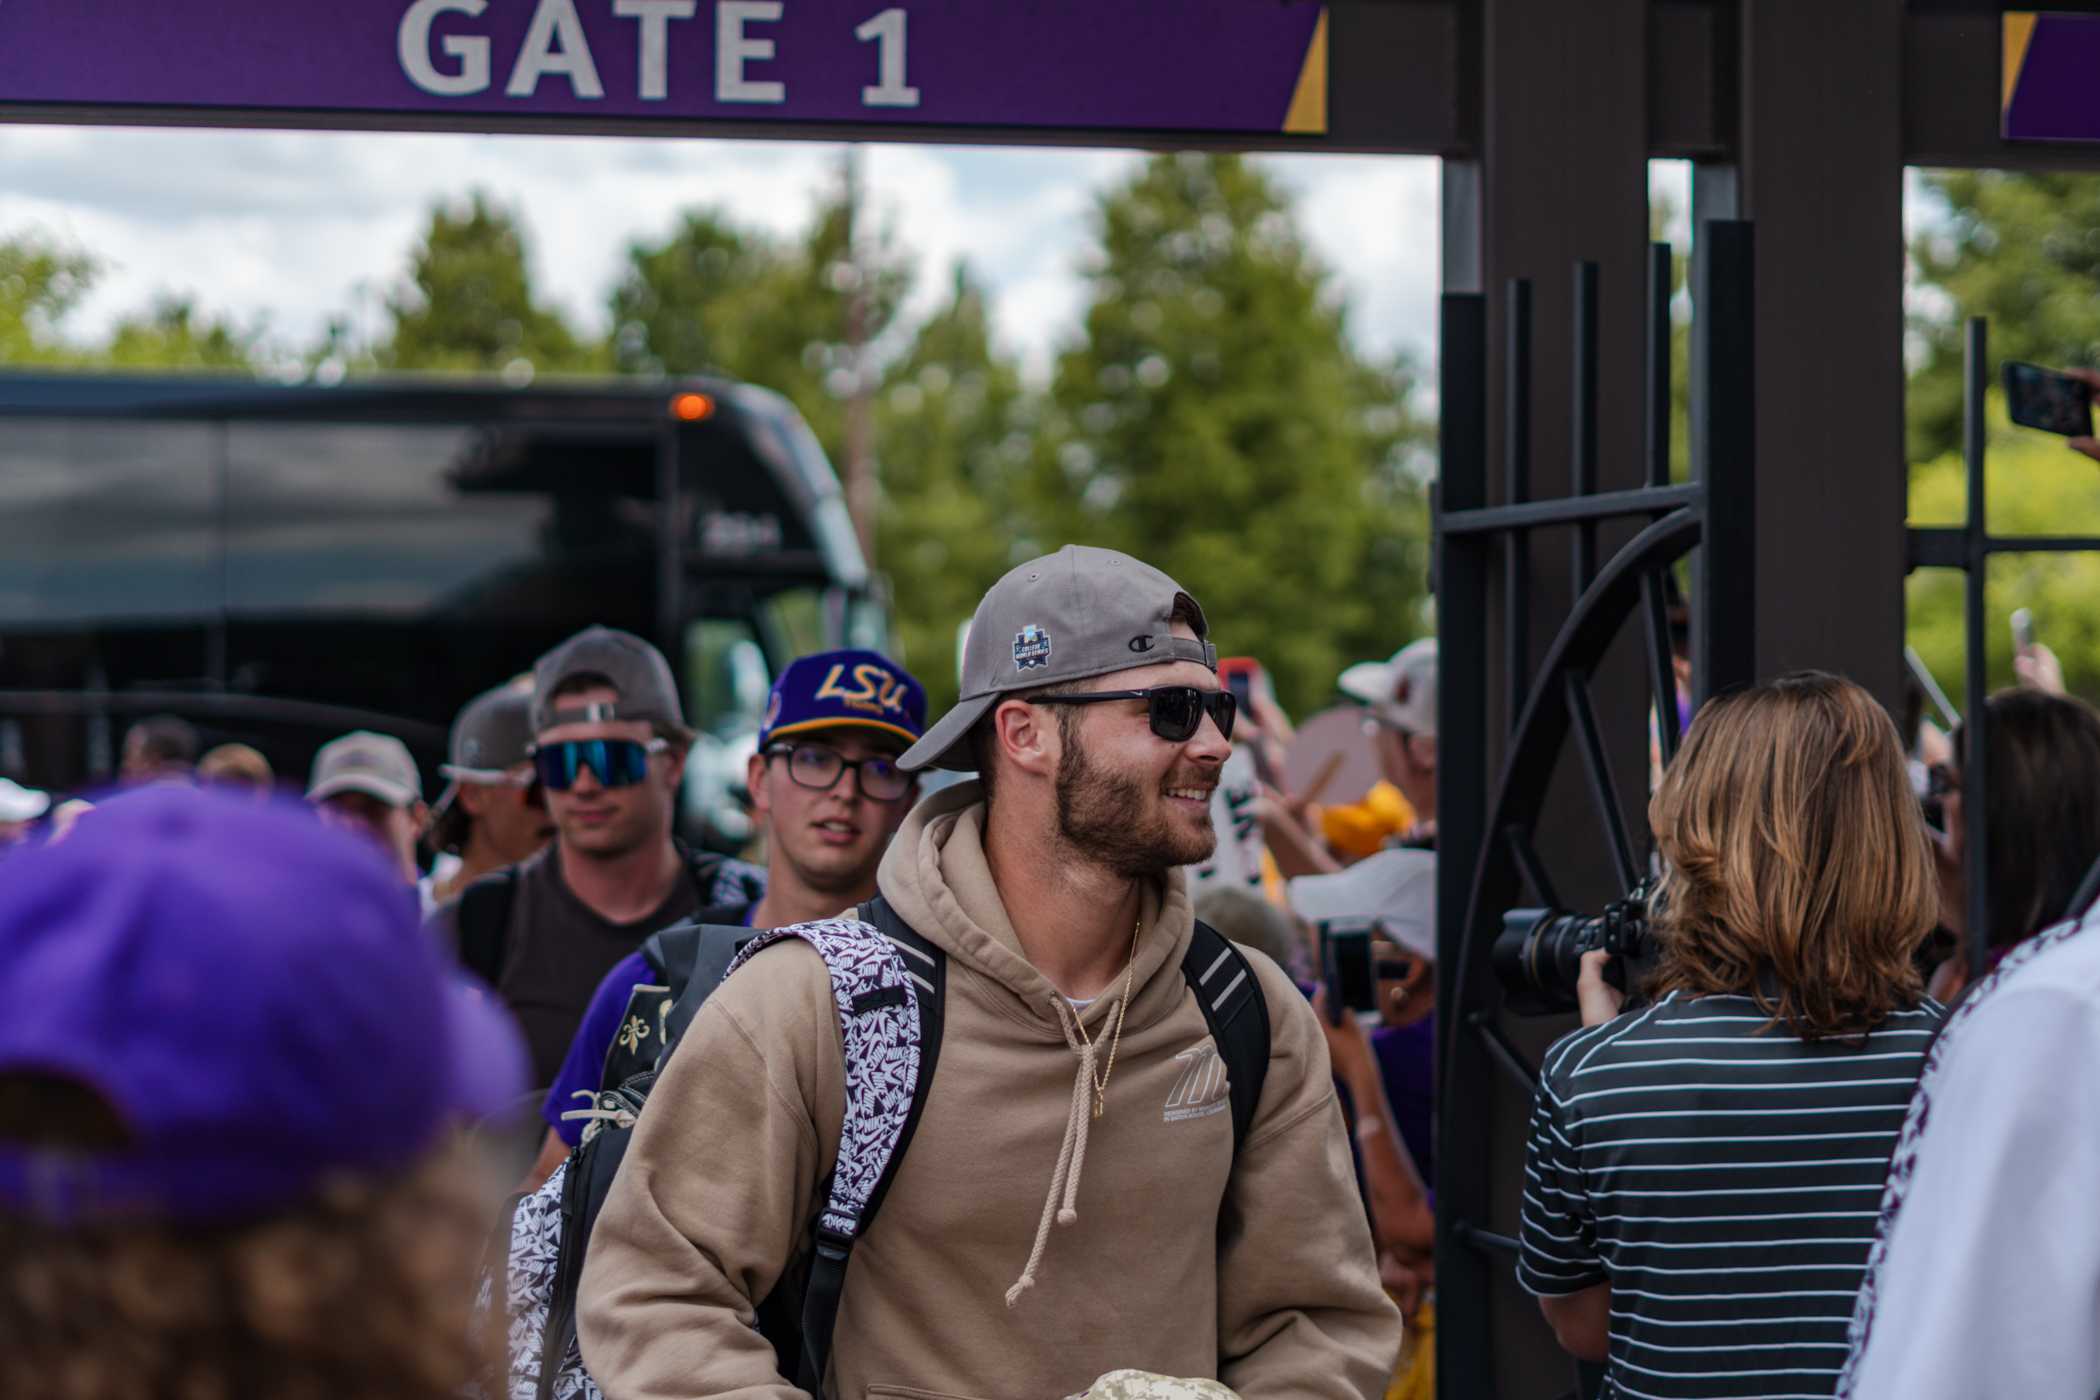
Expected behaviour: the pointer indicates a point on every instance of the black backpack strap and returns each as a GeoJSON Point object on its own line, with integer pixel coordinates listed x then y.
{"type": "Point", "coordinates": [483, 920]}
{"type": "Point", "coordinates": [928, 969]}
{"type": "Point", "coordinates": [692, 960]}
{"type": "Point", "coordinates": [1229, 993]}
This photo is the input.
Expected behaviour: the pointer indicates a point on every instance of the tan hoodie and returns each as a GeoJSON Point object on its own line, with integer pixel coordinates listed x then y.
{"type": "Point", "coordinates": [724, 1174]}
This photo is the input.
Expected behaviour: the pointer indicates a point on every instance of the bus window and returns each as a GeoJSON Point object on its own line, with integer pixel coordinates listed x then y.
{"type": "Point", "coordinates": [372, 518]}
{"type": "Point", "coordinates": [109, 522]}
{"type": "Point", "coordinates": [726, 678]}
{"type": "Point", "coordinates": [727, 685]}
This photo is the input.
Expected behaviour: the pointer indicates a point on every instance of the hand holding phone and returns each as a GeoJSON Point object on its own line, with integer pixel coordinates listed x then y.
{"type": "Point", "coordinates": [2048, 399]}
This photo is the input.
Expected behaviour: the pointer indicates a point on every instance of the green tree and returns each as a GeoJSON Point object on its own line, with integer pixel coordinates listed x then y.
{"type": "Point", "coordinates": [718, 298]}
{"type": "Point", "coordinates": [2024, 251]}
{"type": "Point", "coordinates": [1216, 420]}
{"type": "Point", "coordinates": [173, 336]}
{"type": "Point", "coordinates": [468, 303]}
{"type": "Point", "coordinates": [951, 435]}
{"type": "Point", "coordinates": [2037, 486]}
{"type": "Point", "coordinates": [2021, 249]}
{"type": "Point", "coordinates": [40, 282]}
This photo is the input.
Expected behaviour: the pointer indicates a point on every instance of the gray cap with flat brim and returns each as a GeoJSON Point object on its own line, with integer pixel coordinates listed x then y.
{"type": "Point", "coordinates": [1070, 616]}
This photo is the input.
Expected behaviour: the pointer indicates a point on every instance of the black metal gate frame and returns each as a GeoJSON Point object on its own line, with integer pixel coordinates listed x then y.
{"type": "Point", "coordinates": [1969, 547]}
{"type": "Point", "coordinates": [1485, 828]}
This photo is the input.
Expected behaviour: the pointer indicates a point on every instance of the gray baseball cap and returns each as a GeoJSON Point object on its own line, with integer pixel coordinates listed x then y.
{"type": "Point", "coordinates": [1069, 616]}
{"type": "Point", "coordinates": [492, 735]}
{"type": "Point", "coordinates": [630, 665]}
{"type": "Point", "coordinates": [377, 765]}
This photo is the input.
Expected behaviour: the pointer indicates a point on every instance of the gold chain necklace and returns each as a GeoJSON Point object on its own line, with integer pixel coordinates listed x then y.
{"type": "Point", "coordinates": [1115, 1041]}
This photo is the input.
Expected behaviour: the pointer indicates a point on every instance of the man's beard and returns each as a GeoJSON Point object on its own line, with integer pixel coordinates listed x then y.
{"type": "Point", "coordinates": [1116, 821]}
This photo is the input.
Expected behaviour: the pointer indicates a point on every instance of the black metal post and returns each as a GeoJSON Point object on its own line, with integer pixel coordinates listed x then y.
{"type": "Point", "coordinates": [1724, 456]}
{"type": "Point", "coordinates": [1660, 268]}
{"type": "Point", "coordinates": [670, 545]}
{"type": "Point", "coordinates": [1516, 445]}
{"type": "Point", "coordinates": [1976, 775]}
{"type": "Point", "coordinates": [1583, 455]}
{"type": "Point", "coordinates": [1465, 1279]}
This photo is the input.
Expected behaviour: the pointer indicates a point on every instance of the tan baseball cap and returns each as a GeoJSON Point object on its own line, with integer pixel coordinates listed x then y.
{"type": "Point", "coordinates": [1069, 616]}
{"type": "Point", "coordinates": [378, 765]}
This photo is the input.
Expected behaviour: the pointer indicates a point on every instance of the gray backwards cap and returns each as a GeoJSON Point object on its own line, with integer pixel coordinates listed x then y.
{"type": "Point", "coordinates": [493, 733]}
{"type": "Point", "coordinates": [1069, 616]}
{"type": "Point", "coordinates": [630, 665]}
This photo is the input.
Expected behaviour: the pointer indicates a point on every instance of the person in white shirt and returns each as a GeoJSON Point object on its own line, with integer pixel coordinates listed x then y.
{"type": "Point", "coordinates": [1984, 1280]}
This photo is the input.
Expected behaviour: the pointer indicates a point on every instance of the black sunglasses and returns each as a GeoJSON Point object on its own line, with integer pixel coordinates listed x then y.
{"type": "Point", "coordinates": [617, 762]}
{"type": "Point", "coordinates": [818, 767]}
{"type": "Point", "coordinates": [1175, 711]}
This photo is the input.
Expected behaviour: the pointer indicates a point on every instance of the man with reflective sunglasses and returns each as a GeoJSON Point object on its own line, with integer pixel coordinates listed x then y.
{"type": "Point", "coordinates": [1079, 1194]}
{"type": "Point", "coordinates": [827, 791]}
{"type": "Point", "coordinates": [609, 746]}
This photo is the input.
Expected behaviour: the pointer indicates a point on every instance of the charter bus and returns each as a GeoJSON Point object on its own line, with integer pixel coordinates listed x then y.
{"type": "Point", "coordinates": [281, 563]}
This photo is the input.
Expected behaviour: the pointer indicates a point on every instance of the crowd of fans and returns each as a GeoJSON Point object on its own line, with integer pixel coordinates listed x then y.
{"type": "Point", "coordinates": [271, 1065]}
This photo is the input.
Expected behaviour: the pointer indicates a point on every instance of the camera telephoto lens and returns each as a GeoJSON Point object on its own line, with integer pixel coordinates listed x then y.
{"type": "Point", "coordinates": [1538, 955]}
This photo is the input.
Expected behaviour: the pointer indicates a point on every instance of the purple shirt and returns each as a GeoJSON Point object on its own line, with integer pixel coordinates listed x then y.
{"type": "Point", "coordinates": [1407, 1060]}
{"type": "Point", "coordinates": [584, 1065]}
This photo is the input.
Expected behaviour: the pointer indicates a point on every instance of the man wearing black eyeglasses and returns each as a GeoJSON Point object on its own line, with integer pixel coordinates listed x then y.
{"type": "Point", "coordinates": [1130, 1152]}
{"type": "Point", "coordinates": [609, 746]}
{"type": "Point", "coordinates": [827, 791]}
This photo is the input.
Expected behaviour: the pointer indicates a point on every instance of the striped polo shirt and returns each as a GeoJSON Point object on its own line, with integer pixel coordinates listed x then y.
{"type": "Point", "coordinates": [1724, 1176]}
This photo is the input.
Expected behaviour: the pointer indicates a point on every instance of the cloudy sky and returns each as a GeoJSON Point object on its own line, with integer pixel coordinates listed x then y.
{"type": "Point", "coordinates": [288, 228]}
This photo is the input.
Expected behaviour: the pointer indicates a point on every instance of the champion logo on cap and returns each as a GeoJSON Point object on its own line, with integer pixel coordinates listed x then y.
{"type": "Point", "coordinates": [1031, 648]}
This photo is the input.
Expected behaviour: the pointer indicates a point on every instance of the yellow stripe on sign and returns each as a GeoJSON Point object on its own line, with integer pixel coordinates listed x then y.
{"type": "Point", "coordinates": [1308, 113]}
{"type": "Point", "coordinates": [2019, 33]}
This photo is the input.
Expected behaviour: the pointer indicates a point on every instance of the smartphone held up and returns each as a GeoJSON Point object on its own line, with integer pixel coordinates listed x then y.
{"type": "Point", "coordinates": [2048, 399]}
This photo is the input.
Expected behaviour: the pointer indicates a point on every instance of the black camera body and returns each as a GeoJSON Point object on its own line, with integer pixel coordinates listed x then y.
{"type": "Point", "coordinates": [1538, 955]}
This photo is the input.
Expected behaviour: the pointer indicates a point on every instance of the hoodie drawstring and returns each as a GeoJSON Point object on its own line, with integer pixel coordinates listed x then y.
{"type": "Point", "coordinates": [1063, 1200]}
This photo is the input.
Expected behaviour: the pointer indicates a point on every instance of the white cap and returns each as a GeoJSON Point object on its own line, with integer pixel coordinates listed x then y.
{"type": "Point", "coordinates": [1396, 887]}
{"type": "Point", "coordinates": [1402, 690]}
{"type": "Point", "coordinates": [21, 804]}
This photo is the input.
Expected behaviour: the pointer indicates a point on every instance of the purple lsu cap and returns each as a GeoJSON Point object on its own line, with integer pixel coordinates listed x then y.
{"type": "Point", "coordinates": [251, 993]}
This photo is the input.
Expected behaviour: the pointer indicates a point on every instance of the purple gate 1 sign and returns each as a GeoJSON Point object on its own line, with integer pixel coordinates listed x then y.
{"type": "Point", "coordinates": [1082, 65]}
{"type": "Point", "coordinates": [2052, 77]}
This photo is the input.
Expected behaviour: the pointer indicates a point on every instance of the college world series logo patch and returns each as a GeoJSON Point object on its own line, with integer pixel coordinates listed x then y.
{"type": "Point", "coordinates": [1031, 648]}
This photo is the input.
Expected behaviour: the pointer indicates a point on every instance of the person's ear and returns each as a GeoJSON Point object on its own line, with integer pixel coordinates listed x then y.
{"type": "Point", "coordinates": [674, 765]}
{"type": "Point", "coordinates": [473, 798]}
{"type": "Point", "coordinates": [755, 784]}
{"type": "Point", "coordinates": [1422, 749]}
{"type": "Point", "coordinates": [1026, 737]}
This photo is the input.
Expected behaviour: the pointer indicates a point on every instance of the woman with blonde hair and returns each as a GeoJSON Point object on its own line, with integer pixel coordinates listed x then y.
{"type": "Point", "coordinates": [1704, 1172]}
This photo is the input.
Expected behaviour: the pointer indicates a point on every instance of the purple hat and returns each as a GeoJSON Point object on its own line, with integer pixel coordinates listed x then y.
{"type": "Point", "coordinates": [845, 690]}
{"type": "Point", "coordinates": [253, 995]}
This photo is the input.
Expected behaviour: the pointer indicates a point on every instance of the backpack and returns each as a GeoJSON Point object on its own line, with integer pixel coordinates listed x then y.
{"type": "Point", "coordinates": [889, 985]}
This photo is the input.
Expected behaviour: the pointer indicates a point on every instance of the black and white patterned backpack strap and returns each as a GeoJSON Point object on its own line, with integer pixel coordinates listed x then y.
{"type": "Point", "coordinates": [886, 991]}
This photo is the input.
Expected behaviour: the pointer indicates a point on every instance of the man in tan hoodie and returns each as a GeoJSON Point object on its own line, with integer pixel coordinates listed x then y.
{"type": "Point", "coordinates": [1039, 1232]}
